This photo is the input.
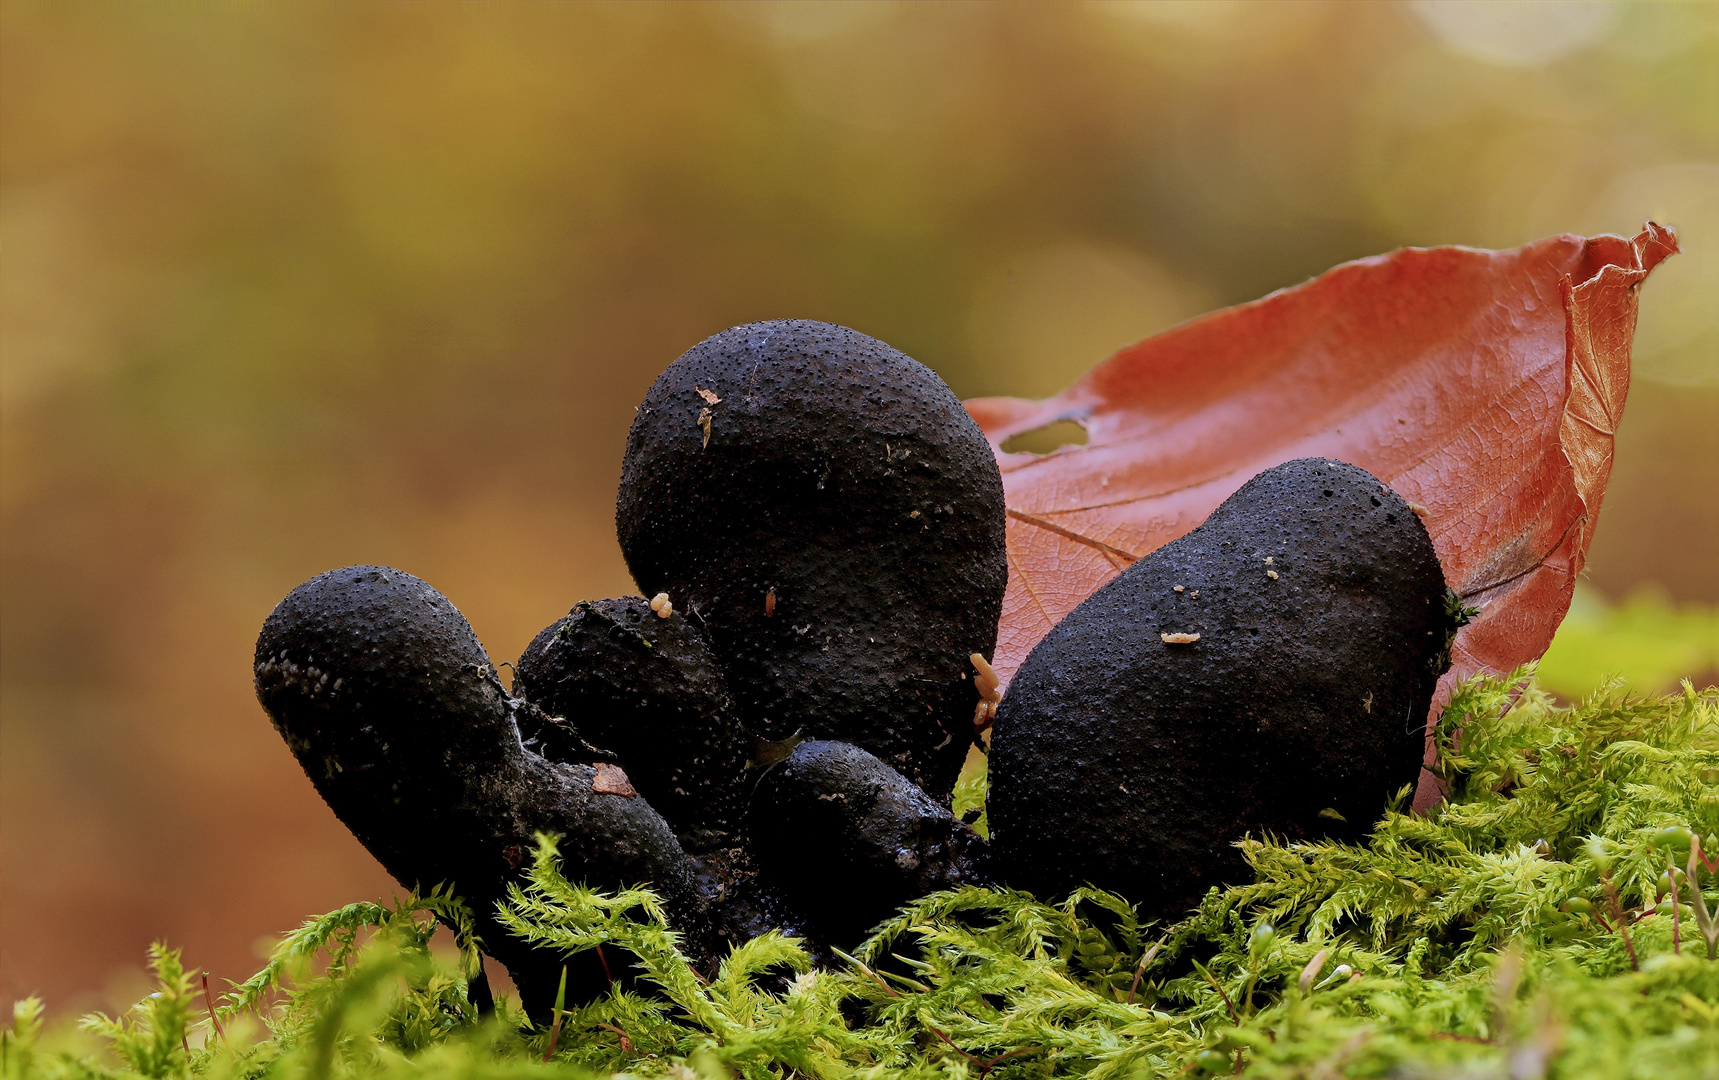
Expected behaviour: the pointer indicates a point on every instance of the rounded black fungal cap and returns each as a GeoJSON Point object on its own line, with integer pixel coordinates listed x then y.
{"type": "Point", "coordinates": [826, 510]}
{"type": "Point", "coordinates": [848, 839]}
{"type": "Point", "coordinates": [383, 693]}
{"type": "Point", "coordinates": [616, 676]}
{"type": "Point", "coordinates": [1130, 755]}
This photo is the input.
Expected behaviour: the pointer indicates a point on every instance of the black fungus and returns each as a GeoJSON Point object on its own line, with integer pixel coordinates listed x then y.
{"type": "Point", "coordinates": [847, 839]}
{"type": "Point", "coordinates": [614, 676]}
{"type": "Point", "coordinates": [823, 507]}
{"type": "Point", "coordinates": [1131, 757]}
{"type": "Point", "coordinates": [389, 702]}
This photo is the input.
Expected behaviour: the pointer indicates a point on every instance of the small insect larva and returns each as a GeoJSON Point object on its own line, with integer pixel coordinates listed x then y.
{"type": "Point", "coordinates": [770, 603]}
{"type": "Point", "coordinates": [1272, 574]}
{"type": "Point", "coordinates": [660, 604]}
{"type": "Point", "coordinates": [985, 676]}
{"type": "Point", "coordinates": [984, 714]}
{"type": "Point", "coordinates": [1420, 511]}
{"type": "Point", "coordinates": [986, 681]}
{"type": "Point", "coordinates": [1179, 639]}
{"type": "Point", "coordinates": [1178, 588]}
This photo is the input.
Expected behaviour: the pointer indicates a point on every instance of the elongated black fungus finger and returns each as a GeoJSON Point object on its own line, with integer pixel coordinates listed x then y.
{"type": "Point", "coordinates": [1270, 671]}
{"type": "Point", "coordinates": [616, 676]}
{"type": "Point", "coordinates": [827, 511]}
{"type": "Point", "coordinates": [383, 693]}
{"type": "Point", "coordinates": [848, 839]}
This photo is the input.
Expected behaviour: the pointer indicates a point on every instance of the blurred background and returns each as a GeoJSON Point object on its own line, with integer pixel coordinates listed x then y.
{"type": "Point", "coordinates": [293, 286]}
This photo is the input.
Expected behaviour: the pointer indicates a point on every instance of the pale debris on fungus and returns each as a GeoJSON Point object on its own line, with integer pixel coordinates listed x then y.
{"type": "Point", "coordinates": [704, 425]}
{"type": "Point", "coordinates": [709, 396]}
{"type": "Point", "coordinates": [612, 780]}
{"type": "Point", "coordinates": [660, 604]}
{"type": "Point", "coordinates": [1179, 639]}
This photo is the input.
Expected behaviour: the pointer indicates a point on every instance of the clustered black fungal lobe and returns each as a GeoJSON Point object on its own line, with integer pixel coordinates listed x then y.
{"type": "Point", "coordinates": [777, 750]}
{"type": "Point", "coordinates": [1320, 609]}
{"type": "Point", "coordinates": [835, 524]}
{"type": "Point", "coordinates": [848, 839]}
{"type": "Point", "coordinates": [828, 523]}
{"type": "Point", "coordinates": [614, 675]}
{"type": "Point", "coordinates": [383, 693]}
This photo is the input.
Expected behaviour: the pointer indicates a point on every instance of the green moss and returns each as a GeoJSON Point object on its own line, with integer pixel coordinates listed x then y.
{"type": "Point", "coordinates": [1492, 938]}
{"type": "Point", "coordinates": [969, 797]}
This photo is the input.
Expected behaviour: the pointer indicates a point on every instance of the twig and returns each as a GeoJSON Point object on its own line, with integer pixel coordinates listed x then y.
{"type": "Point", "coordinates": [555, 1027]}
{"type": "Point", "coordinates": [626, 1043]}
{"type": "Point", "coordinates": [1617, 914]}
{"type": "Point", "coordinates": [1228, 1004]}
{"type": "Point", "coordinates": [1141, 970]}
{"type": "Point", "coordinates": [1703, 918]}
{"type": "Point", "coordinates": [1676, 915]}
{"type": "Point", "coordinates": [905, 981]}
{"type": "Point", "coordinates": [1711, 866]}
{"type": "Point", "coordinates": [984, 1066]}
{"type": "Point", "coordinates": [970, 1057]}
{"type": "Point", "coordinates": [604, 960]}
{"type": "Point", "coordinates": [989, 1065]}
{"type": "Point", "coordinates": [888, 989]}
{"type": "Point", "coordinates": [209, 1003]}
{"type": "Point", "coordinates": [1312, 970]}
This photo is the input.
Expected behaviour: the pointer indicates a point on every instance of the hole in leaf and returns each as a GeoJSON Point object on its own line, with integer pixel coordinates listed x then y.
{"type": "Point", "coordinates": [1044, 440]}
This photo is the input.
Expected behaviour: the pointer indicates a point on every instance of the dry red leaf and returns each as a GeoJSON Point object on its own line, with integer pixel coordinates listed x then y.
{"type": "Point", "coordinates": [1484, 386]}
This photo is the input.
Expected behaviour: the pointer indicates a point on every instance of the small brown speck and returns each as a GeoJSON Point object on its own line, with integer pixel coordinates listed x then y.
{"type": "Point", "coordinates": [612, 780]}
{"type": "Point", "coordinates": [514, 856]}
{"type": "Point", "coordinates": [709, 396]}
{"type": "Point", "coordinates": [770, 603]}
{"type": "Point", "coordinates": [1179, 639]}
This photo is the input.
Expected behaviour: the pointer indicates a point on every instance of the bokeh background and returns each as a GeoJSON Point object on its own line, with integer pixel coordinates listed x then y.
{"type": "Point", "coordinates": [292, 286]}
